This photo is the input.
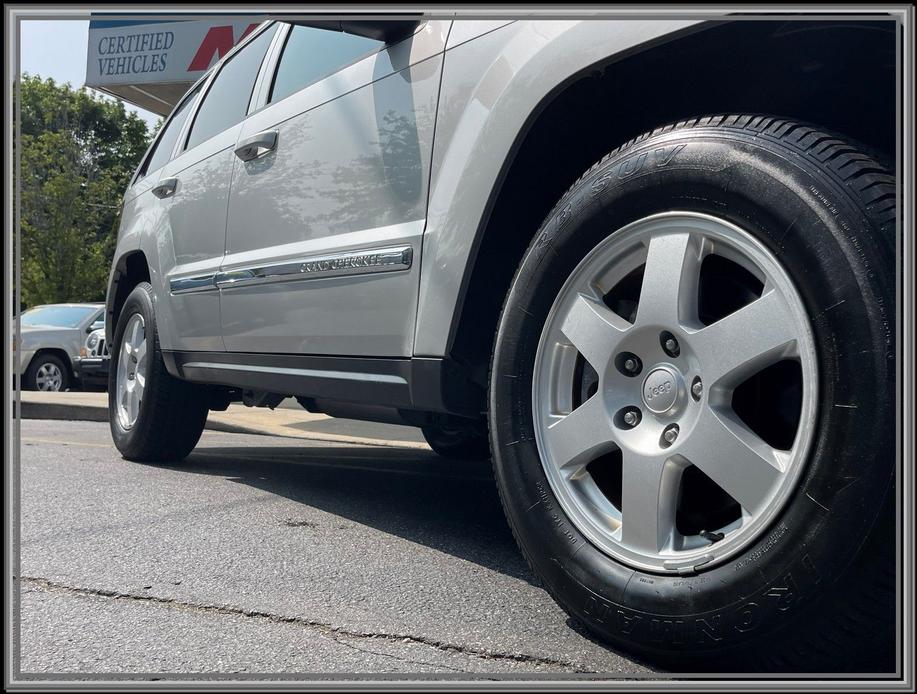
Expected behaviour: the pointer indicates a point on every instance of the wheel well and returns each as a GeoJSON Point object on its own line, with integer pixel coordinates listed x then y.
{"type": "Point", "coordinates": [131, 270]}
{"type": "Point", "coordinates": [838, 75]}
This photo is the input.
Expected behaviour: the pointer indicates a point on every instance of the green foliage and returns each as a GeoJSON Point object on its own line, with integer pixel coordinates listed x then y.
{"type": "Point", "coordinates": [78, 152]}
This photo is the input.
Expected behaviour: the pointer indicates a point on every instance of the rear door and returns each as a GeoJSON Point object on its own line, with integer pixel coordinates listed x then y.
{"type": "Point", "coordinates": [146, 214]}
{"type": "Point", "coordinates": [326, 217]}
{"type": "Point", "coordinates": [195, 190]}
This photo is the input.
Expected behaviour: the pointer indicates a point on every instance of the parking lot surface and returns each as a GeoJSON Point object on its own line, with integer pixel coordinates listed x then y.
{"type": "Point", "coordinates": [276, 555]}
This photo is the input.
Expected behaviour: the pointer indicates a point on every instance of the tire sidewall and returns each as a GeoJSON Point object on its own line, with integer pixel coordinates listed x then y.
{"type": "Point", "coordinates": [824, 242]}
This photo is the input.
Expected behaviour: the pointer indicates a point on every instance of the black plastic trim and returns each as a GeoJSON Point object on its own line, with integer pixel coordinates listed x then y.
{"type": "Point", "coordinates": [418, 383]}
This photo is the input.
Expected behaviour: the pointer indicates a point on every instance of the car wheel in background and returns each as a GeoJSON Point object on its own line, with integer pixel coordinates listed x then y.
{"type": "Point", "coordinates": [153, 415]}
{"type": "Point", "coordinates": [48, 373]}
{"type": "Point", "coordinates": [458, 443]}
{"type": "Point", "coordinates": [692, 399]}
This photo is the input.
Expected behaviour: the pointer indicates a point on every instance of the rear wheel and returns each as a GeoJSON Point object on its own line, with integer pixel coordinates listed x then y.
{"type": "Point", "coordinates": [691, 398]}
{"type": "Point", "coordinates": [153, 415]}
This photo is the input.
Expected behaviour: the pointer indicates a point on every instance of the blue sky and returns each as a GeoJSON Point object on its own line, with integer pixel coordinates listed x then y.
{"type": "Point", "coordinates": [57, 49]}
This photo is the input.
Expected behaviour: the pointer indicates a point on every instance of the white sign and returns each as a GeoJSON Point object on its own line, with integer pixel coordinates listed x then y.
{"type": "Point", "coordinates": [158, 52]}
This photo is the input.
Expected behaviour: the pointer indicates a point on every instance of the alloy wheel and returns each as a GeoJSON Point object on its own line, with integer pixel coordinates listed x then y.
{"type": "Point", "coordinates": [131, 378]}
{"type": "Point", "coordinates": [49, 377]}
{"type": "Point", "coordinates": [675, 392]}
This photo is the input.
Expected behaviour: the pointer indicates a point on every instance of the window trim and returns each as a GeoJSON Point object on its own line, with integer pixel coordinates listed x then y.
{"type": "Point", "coordinates": [264, 74]}
{"type": "Point", "coordinates": [148, 155]}
{"type": "Point", "coordinates": [282, 49]}
{"type": "Point", "coordinates": [271, 74]}
{"type": "Point", "coordinates": [197, 97]}
{"type": "Point", "coordinates": [215, 71]}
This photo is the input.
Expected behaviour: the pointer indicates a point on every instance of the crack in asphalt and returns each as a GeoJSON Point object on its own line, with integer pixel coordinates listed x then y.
{"type": "Point", "coordinates": [392, 656]}
{"type": "Point", "coordinates": [324, 628]}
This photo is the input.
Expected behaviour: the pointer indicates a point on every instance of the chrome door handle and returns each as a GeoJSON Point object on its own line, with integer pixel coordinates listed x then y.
{"type": "Point", "coordinates": [166, 188]}
{"type": "Point", "coordinates": [257, 145]}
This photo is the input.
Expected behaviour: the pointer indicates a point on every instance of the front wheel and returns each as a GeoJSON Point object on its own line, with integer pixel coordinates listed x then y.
{"type": "Point", "coordinates": [153, 415]}
{"type": "Point", "coordinates": [48, 373]}
{"type": "Point", "coordinates": [691, 399]}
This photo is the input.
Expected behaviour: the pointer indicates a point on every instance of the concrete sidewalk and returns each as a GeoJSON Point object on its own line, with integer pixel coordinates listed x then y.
{"type": "Point", "coordinates": [283, 421]}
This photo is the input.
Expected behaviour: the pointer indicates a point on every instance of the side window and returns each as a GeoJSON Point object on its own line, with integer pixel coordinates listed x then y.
{"type": "Point", "coordinates": [311, 54]}
{"type": "Point", "coordinates": [163, 150]}
{"type": "Point", "coordinates": [226, 102]}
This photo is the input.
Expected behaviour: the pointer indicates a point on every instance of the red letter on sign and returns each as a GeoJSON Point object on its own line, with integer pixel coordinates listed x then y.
{"type": "Point", "coordinates": [218, 41]}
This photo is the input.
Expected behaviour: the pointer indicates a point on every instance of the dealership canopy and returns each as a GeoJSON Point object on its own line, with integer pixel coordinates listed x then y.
{"type": "Point", "coordinates": [152, 63]}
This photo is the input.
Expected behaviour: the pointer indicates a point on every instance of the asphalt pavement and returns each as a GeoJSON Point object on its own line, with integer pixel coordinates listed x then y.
{"type": "Point", "coordinates": [265, 554]}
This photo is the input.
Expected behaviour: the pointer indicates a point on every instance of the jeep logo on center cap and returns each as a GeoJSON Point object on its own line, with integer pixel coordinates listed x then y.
{"type": "Point", "coordinates": [660, 390]}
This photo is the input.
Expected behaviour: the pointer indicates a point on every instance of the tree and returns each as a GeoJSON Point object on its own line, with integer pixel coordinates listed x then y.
{"type": "Point", "coordinates": [77, 154]}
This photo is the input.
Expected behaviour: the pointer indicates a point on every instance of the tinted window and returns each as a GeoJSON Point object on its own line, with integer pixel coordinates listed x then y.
{"type": "Point", "coordinates": [311, 54]}
{"type": "Point", "coordinates": [58, 316]}
{"type": "Point", "coordinates": [163, 151]}
{"type": "Point", "coordinates": [226, 102]}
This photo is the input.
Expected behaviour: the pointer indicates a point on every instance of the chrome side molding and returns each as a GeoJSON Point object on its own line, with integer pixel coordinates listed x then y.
{"type": "Point", "coordinates": [348, 263]}
{"type": "Point", "coordinates": [186, 285]}
{"type": "Point", "coordinates": [357, 262]}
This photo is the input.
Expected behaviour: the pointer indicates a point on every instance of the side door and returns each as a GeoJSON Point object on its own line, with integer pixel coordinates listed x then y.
{"type": "Point", "coordinates": [327, 211]}
{"type": "Point", "coordinates": [194, 187]}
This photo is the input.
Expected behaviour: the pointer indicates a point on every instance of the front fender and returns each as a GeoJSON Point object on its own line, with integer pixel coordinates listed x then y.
{"type": "Point", "coordinates": [493, 89]}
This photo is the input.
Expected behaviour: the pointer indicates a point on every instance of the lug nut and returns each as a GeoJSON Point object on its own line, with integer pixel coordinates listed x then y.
{"type": "Point", "coordinates": [631, 418]}
{"type": "Point", "coordinates": [628, 363]}
{"type": "Point", "coordinates": [697, 388]}
{"type": "Point", "coordinates": [670, 434]}
{"type": "Point", "coordinates": [670, 345]}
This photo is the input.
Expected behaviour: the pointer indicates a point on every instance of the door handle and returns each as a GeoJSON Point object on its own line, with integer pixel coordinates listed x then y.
{"type": "Point", "coordinates": [165, 188]}
{"type": "Point", "coordinates": [257, 145]}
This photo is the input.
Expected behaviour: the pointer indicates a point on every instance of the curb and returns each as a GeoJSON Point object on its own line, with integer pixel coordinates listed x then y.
{"type": "Point", "coordinates": [53, 410]}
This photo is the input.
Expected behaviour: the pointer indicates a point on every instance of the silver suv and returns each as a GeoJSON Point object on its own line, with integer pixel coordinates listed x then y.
{"type": "Point", "coordinates": [646, 266]}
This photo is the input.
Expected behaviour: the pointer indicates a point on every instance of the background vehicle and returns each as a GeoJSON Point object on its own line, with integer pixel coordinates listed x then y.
{"type": "Point", "coordinates": [670, 311]}
{"type": "Point", "coordinates": [92, 365]}
{"type": "Point", "coordinates": [51, 337]}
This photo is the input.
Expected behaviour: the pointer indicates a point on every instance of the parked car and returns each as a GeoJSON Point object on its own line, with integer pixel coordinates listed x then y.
{"type": "Point", "coordinates": [92, 365]}
{"type": "Point", "coordinates": [51, 337]}
{"type": "Point", "coordinates": [649, 265]}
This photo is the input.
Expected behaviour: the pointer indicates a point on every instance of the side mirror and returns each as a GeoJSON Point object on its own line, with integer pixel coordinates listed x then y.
{"type": "Point", "coordinates": [385, 30]}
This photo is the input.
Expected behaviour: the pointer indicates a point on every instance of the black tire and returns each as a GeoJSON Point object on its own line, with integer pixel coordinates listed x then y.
{"type": "Point", "coordinates": [457, 443]}
{"type": "Point", "coordinates": [816, 591]}
{"type": "Point", "coordinates": [172, 413]}
{"type": "Point", "coordinates": [30, 377]}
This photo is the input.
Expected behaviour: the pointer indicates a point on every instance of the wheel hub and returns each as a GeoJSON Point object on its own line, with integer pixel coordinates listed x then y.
{"type": "Point", "coordinates": [662, 389]}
